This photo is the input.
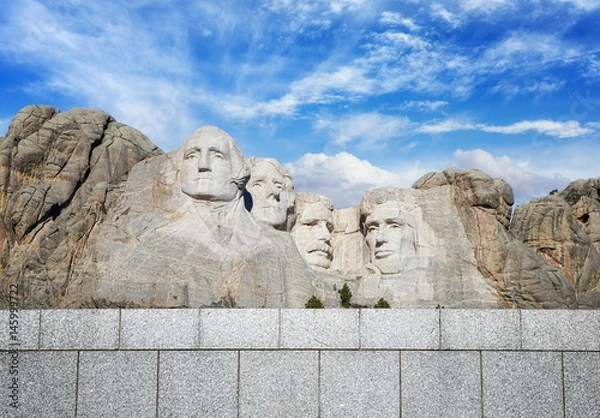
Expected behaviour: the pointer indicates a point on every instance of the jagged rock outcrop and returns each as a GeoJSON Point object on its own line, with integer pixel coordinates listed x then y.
{"type": "Point", "coordinates": [584, 198]}
{"type": "Point", "coordinates": [520, 276]}
{"type": "Point", "coordinates": [549, 226]}
{"type": "Point", "coordinates": [58, 176]}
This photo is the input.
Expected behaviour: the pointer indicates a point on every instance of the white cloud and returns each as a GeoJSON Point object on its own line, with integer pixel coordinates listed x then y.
{"type": "Point", "coordinates": [453, 19]}
{"type": "Point", "coordinates": [586, 5]}
{"type": "Point", "coordinates": [426, 105]}
{"type": "Point", "coordinates": [512, 88]}
{"type": "Point", "coordinates": [527, 51]}
{"type": "Point", "coordinates": [518, 174]}
{"type": "Point", "coordinates": [393, 18]}
{"type": "Point", "coordinates": [343, 178]}
{"type": "Point", "coordinates": [448, 125]}
{"type": "Point", "coordinates": [566, 129]}
{"type": "Point", "coordinates": [367, 128]}
{"type": "Point", "coordinates": [120, 64]}
{"type": "Point", "coordinates": [484, 6]}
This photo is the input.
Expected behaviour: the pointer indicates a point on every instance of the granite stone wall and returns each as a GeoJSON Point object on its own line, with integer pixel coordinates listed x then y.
{"type": "Point", "coordinates": [299, 363]}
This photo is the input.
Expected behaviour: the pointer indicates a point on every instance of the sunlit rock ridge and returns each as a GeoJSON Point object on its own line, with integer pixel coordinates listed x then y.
{"type": "Point", "coordinates": [94, 215]}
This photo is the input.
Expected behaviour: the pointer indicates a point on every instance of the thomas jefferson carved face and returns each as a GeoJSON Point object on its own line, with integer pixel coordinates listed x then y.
{"type": "Point", "coordinates": [312, 232]}
{"type": "Point", "coordinates": [211, 165]}
{"type": "Point", "coordinates": [383, 228]}
{"type": "Point", "coordinates": [272, 192]}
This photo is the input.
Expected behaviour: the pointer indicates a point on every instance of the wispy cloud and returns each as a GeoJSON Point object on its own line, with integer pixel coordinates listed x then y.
{"type": "Point", "coordinates": [566, 129]}
{"type": "Point", "coordinates": [586, 5]}
{"type": "Point", "coordinates": [368, 128]}
{"type": "Point", "coordinates": [127, 67]}
{"type": "Point", "coordinates": [424, 105]}
{"type": "Point", "coordinates": [394, 18]}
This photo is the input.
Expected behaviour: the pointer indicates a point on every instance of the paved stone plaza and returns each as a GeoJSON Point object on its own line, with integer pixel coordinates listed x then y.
{"type": "Point", "coordinates": [303, 363]}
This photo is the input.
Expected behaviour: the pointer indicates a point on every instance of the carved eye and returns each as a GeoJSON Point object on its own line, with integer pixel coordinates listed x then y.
{"type": "Point", "coordinates": [217, 155]}
{"type": "Point", "coordinates": [311, 223]}
{"type": "Point", "coordinates": [279, 186]}
{"type": "Point", "coordinates": [372, 228]}
{"type": "Point", "coordinates": [395, 225]}
{"type": "Point", "coordinates": [257, 185]}
{"type": "Point", "coordinates": [191, 156]}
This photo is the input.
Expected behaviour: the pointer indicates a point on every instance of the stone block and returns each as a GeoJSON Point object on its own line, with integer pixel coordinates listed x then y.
{"type": "Point", "coordinates": [117, 384]}
{"type": "Point", "coordinates": [21, 335]}
{"type": "Point", "coordinates": [478, 329]}
{"type": "Point", "coordinates": [560, 330]}
{"type": "Point", "coordinates": [239, 328]}
{"type": "Point", "coordinates": [279, 384]}
{"type": "Point", "coordinates": [83, 329]}
{"type": "Point", "coordinates": [159, 328]}
{"type": "Point", "coordinates": [360, 384]}
{"type": "Point", "coordinates": [46, 384]}
{"type": "Point", "coordinates": [582, 381]}
{"type": "Point", "coordinates": [198, 384]}
{"type": "Point", "coordinates": [522, 384]}
{"type": "Point", "coordinates": [320, 328]}
{"type": "Point", "coordinates": [403, 329]}
{"type": "Point", "coordinates": [441, 384]}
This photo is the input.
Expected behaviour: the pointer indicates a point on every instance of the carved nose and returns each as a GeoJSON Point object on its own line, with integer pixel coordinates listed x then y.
{"type": "Point", "coordinates": [204, 163]}
{"type": "Point", "coordinates": [274, 192]}
{"type": "Point", "coordinates": [323, 233]}
{"type": "Point", "coordinates": [381, 237]}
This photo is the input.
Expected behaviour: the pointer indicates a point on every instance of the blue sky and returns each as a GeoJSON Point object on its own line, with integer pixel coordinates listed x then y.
{"type": "Point", "coordinates": [349, 94]}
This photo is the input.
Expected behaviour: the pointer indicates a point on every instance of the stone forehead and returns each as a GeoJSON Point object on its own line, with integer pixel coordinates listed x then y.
{"type": "Point", "coordinates": [376, 197]}
{"type": "Point", "coordinates": [256, 162]}
{"type": "Point", "coordinates": [304, 199]}
{"type": "Point", "coordinates": [211, 133]}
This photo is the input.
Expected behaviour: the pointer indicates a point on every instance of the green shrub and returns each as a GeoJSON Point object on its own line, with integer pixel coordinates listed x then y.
{"type": "Point", "coordinates": [314, 303]}
{"type": "Point", "coordinates": [345, 295]}
{"type": "Point", "coordinates": [382, 304]}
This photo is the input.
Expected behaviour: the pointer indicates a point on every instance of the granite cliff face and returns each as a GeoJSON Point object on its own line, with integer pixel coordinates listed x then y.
{"type": "Point", "coordinates": [59, 174]}
{"type": "Point", "coordinates": [94, 215]}
{"type": "Point", "coordinates": [550, 226]}
{"type": "Point", "coordinates": [520, 276]}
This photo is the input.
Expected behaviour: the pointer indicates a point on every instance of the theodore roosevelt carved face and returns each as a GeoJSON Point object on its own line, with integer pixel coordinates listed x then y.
{"type": "Point", "coordinates": [271, 192]}
{"type": "Point", "coordinates": [312, 229]}
{"type": "Point", "coordinates": [212, 167]}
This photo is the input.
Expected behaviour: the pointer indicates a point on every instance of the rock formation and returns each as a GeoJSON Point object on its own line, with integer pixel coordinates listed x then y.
{"type": "Point", "coordinates": [521, 277]}
{"type": "Point", "coordinates": [550, 227]}
{"type": "Point", "coordinates": [60, 173]}
{"type": "Point", "coordinates": [95, 215]}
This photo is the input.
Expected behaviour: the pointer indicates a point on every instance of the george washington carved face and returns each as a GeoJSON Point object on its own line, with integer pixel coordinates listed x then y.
{"type": "Point", "coordinates": [212, 167]}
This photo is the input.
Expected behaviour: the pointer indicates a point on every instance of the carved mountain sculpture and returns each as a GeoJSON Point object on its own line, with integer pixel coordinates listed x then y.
{"type": "Point", "coordinates": [95, 215]}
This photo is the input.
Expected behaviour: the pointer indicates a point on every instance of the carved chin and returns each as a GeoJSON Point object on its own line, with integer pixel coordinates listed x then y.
{"type": "Point", "coordinates": [319, 259]}
{"type": "Point", "coordinates": [388, 265]}
{"type": "Point", "coordinates": [269, 215]}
